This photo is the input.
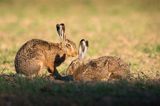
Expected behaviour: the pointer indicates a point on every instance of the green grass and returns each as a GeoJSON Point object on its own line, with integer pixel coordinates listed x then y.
{"type": "Point", "coordinates": [71, 93]}
{"type": "Point", "coordinates": [126, 29]}
{"type": "Point", "coordinates": [152, 48]}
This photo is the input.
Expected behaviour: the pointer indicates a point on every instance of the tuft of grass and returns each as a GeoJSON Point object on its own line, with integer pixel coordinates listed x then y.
{"type": "Point", "coordinates": [158, 48]}
{"type": "Point", "coordinates": [152, 50]}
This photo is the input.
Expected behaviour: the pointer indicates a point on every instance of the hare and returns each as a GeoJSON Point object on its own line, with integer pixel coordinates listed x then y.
{"type": "Point", "coordinates": [36, 54]}
{"type": "Point", "coordinates": [100, 69]}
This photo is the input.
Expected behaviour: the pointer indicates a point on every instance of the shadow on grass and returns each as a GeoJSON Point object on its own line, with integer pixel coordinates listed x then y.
{"type": "Point", "coordinates": [16, 90]}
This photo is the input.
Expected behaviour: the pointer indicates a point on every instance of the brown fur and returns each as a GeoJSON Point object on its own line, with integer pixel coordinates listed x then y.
{"type": "Point", "coordinates": [103, 68]}
{"type": "Point", "coordinates": [36, 54]}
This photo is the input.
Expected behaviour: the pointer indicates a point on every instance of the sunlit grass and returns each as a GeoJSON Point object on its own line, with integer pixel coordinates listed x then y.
{"type": "Point", "coordinates": [127, 29]}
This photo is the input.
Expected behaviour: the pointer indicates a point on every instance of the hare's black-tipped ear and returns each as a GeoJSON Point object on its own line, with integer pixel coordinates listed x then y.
{"type": "Point", "coordinates": [58, 29]}
{"type": "Point", "coordinates": [63, 27]}
{"type": "Point", "coordinates": [83, 45]}
{"type": "Point", "coordinates": [61, 31]}
{"type": "Point", "coordinates": [87, 43]}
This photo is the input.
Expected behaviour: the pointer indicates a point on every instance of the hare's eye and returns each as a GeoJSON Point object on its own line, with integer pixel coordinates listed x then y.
{"type": "Point", "coordinates": [68, 45]}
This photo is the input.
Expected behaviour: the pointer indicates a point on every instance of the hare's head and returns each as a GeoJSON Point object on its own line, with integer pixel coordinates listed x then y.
{"type": "Point", "coordinates": [83, 45]}
{"type": "Point", "coordinates": [68, 45]}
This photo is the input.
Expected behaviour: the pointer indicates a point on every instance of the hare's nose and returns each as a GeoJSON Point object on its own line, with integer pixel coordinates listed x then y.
{"type": "Point", "coordinates": [76, 53]}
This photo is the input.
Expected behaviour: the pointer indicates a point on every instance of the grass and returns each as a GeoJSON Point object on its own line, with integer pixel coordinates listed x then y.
{"type": "Point", "coordinates": [127, 29]}
{"type": "Point", "coordinates": [89, 93]}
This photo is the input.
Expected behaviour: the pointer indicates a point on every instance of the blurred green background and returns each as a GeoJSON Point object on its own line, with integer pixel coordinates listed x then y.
{"type": "Point", "coordinates": [126, 28]}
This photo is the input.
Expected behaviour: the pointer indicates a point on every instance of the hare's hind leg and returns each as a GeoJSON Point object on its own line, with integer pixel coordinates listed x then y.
{"type": "Point", "coordinates": [51, 69]}
{"type": "Point", "coordinates": [34, 68]}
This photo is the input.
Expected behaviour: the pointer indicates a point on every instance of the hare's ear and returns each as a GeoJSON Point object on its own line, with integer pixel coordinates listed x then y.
{"type": "Point", "coordinates": [61, 31]}
{"type": "Point", "coordinates": [87, 43]}
{"type": "Point", "coordinates": [83, 45]}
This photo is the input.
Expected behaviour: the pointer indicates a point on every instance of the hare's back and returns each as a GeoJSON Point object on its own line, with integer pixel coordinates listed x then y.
{"type": "Point", "coordinates": [118, 68]}
{"type": "Point", "coordinates": [95, 69]}
{"type": "Point", "coordinates": [32, 48]}
{"type": "Point", "coordinates": [104, 63]}
{"type": "Point", "coordinates": [101, 68]}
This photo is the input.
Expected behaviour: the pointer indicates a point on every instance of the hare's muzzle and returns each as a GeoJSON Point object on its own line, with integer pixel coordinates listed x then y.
{"type": "Point", "coordinates": [75, 53]}
{"type": "Point", "coordinates": [72, 54]}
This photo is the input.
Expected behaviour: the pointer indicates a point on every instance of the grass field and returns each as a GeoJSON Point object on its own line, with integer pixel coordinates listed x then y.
{"type": "Point", "coordinates": [127, 29]}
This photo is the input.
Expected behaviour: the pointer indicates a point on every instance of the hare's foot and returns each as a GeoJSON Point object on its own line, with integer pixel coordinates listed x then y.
{"type": "Point", "coordinates": [31, 68]}
{"type": "Point", "coordinates": [108, 76]}
{"type": "Point", "coordinates": [57, 75]}
{"type": "Point", "coordinates": [54, 73]}
{"type": "Point", "coordinates": [67, 78]}
{"type": "Point", "coordinates": [51, 77]}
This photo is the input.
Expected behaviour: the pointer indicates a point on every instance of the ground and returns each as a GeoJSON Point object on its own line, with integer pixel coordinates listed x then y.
{"type": "Point", "coordinates": [126, 29]}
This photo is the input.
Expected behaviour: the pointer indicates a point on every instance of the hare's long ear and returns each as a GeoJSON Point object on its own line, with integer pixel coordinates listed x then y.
{"type": "Point", "coordinates": [87, 43]}
{"type": "Point", "coordinates": [83, 45]}
{"type": "Point", "coordinates": [61, 31]}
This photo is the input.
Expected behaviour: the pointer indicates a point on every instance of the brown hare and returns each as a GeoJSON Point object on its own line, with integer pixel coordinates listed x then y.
{"type": "Point", "coordinates": [36, 54]}
{"type": "Point", "coordinates": [100, 69]}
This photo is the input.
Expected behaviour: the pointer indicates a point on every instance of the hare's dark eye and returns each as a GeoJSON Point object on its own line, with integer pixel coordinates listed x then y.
{"type": "Point", "coordinates": [68, 45]}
